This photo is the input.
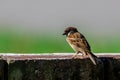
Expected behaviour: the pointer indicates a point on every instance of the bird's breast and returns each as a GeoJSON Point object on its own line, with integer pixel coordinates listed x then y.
{"type": "Point", "coordinates": [73, 45]}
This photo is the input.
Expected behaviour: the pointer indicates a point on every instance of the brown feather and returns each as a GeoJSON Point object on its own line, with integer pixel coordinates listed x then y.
{"type": "Point", "coordinates": [79, 43]}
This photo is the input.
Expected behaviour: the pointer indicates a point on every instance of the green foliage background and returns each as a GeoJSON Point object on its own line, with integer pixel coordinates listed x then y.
{"type": "Point", "coordinates": [13, 42]}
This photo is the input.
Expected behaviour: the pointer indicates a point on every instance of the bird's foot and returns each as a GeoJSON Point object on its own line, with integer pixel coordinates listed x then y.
{"type": "Point", "coordinates": [77, 57]}
{"type": "Point", "coordinates": [74, 57]}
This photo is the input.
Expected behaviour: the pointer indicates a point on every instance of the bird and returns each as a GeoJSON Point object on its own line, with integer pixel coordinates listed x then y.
{"type": "Point", "coordinates": [79, 43]}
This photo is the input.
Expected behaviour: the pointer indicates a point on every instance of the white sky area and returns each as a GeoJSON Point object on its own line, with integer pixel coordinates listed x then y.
{"type": "Point", "coordinates": [99, 16]}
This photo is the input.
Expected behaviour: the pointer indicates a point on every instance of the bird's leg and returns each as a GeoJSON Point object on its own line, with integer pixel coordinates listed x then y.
{"type": "Point", "coordinates": [75, 54]}
{"type": "Point", "coordinates": [83, 54]}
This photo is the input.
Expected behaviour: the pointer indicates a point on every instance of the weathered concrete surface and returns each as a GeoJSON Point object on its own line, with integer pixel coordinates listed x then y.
{"type": "Point", "coordinates": [59, 67]}
{"type": "Point", "coordinates": [111, 68]}
{"type": "Point", "coordinates": [3, 70]}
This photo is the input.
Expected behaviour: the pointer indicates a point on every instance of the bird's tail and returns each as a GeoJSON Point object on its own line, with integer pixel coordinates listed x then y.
{"type": "Point", "coordinates": [92, 57]}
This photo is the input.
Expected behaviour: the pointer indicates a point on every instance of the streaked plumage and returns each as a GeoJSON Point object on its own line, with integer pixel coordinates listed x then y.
{"type": "Point", "coordinates": [79, 43]}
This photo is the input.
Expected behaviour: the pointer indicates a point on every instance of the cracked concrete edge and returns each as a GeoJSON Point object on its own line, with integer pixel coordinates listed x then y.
{"type": "Point", "coordinates": [47, 56]}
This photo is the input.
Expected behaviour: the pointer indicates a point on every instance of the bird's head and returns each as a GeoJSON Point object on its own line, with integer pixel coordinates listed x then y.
{"type": "Point", "coordinates": [69, 30]}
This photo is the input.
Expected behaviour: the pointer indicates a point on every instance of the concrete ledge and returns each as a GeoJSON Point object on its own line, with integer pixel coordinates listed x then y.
{"type": "Point", "coordinates": [12, 56]}
{"type": "Point", "coordinates": [58, 66]}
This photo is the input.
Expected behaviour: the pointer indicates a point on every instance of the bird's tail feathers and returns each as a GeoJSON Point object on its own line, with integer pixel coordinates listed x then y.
{"type": "Point", "coordinates": [92, 58]}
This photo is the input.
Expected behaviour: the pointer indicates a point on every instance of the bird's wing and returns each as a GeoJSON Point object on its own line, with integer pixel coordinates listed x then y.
{"type": "Point", "coordinates": [79, 40]}
{"type": "Point", "coordinates": [85, 43]}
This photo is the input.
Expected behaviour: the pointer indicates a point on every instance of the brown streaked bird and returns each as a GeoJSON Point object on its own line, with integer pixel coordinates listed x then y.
{"type": "Point", "coordinates": [79, 44]}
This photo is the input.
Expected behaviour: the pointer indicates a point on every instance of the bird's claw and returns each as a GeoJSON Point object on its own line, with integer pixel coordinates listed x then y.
{"type": "Point", "coordinates": [77, 57]}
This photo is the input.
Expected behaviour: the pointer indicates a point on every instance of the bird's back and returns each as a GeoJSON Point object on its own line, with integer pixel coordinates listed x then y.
{"type": "Point", "coordinates": [79, 41]}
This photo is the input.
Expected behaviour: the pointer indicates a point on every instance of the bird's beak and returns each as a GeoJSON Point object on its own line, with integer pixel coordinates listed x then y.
{"type": "Point", "coordinates": [64, 33]}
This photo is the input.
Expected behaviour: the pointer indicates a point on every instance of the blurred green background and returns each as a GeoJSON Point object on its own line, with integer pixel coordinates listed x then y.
{"type": "Point", "coordinates": [37, 26]}
{"type": "Point", "coordinates": [17, 41]}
